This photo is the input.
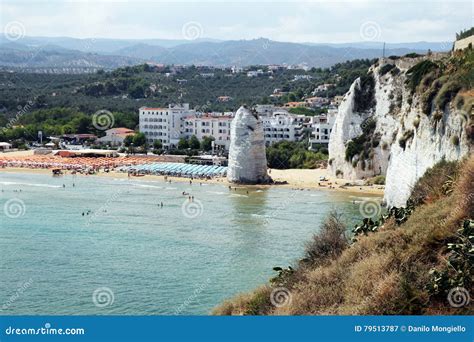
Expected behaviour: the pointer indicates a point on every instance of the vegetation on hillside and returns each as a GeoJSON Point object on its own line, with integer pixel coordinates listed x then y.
{"type": "Point", "coordinates": [128, 88]}
{"type": "Point", "coordinates": [465, 33]}
{"type": "Point", "coordinates": [361, 148]}
{"type": "Point", "coordinates": [57, 121]}
{"type": "Point", "coordinates": [417, 265]}
{"type": "Point", "coordinates": [364, 98]}
{"type": "Point", "coordinates": [295, 155]}
{"type": "Point", "coordinates": [60, 104]}
{"type": "Point", "coordinates": [444, 82]}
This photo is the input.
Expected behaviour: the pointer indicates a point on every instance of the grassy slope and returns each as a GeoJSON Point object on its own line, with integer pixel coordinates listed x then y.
{"type": "Point", "coordinates": [385, 272]}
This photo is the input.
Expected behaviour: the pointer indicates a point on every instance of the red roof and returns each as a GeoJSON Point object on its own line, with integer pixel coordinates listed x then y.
{"type": "Point", "coordinates": [120, 130]}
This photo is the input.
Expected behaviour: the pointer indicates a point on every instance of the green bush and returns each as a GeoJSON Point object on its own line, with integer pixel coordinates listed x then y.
{"type": "Point", "coordinates": [412, 55]}
{"type": "Point", "coordinates": [455, 140]}
{"type": "Point", "coordinates": [428, 97]}
{"type": "Point", "coordinates": [447, 93]}
{"type": "Point", "coordinates": [365, 94]}
{"type": "Point", "coordinates": [416, 73]}
{"type": "Point", "coordinates": [363, 144]}
{"type": "Point", "coordinates": [377, 180]}
{"type": "Point", "coordinates": [465, 33]}
{"type": "Point", "coordinates": [405, 138]}
{"type": "Point", "coordinates": [287, 154]}
{"type": "Point", "coordinates": [416, 122]}
{"type": "Point", "coordinates": [386, 68]}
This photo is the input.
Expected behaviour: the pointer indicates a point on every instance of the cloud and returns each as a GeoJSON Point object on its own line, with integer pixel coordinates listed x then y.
{"type": "Point", "coordinates": [297, 21]}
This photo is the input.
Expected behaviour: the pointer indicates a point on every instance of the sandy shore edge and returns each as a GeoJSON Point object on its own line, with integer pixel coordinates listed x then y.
{"type": "Point", "coordinates": [300, 179]}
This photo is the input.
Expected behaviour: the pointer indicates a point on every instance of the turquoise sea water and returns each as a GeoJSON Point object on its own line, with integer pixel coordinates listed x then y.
{"type": "Point", "coordinates": [127, 255]}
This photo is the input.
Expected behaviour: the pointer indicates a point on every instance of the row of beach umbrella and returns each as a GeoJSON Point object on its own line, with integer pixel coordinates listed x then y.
{"type": "Point", "coordinates": [178, 169]}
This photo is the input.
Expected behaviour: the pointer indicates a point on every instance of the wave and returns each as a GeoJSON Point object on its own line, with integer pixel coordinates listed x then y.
{"type": "Point", "coordinates": [31, 184]}
{"type": "Point", "coordinates": [148, 186]}
{"type": "Point", "coordinates": [216, 192]}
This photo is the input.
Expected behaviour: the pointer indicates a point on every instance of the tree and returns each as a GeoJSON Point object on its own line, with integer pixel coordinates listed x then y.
{"type": "Point", "coordinates": [206, 143]}
{"type": "Point", "coordinates": [183, 144]}
{"type": "Point", "coordinates": [157, 145]}
{"type": "Point", "coordinates": [194, 143]}
{"type": "Point", "coordinates": [127, 141]}
{"type": "Point", "coordinates": [139, 139]}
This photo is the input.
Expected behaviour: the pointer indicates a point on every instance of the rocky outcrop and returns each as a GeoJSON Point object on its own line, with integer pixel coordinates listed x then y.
{"type": "Point", "coordinates": [247, 158]}
{"type": "Point", "coordinates": [396, 136]}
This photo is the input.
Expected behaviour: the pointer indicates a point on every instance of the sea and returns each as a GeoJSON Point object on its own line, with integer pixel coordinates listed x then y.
{"type": "Point", "coordinates": [89, 245]}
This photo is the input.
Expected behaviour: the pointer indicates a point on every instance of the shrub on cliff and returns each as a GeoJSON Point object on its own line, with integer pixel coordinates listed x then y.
{"type": "Point", "coordinates": [447, 93]}
{"type": "Point", "coordinates": [386, 68]}
{"type": "Point", "coordinates": [364, 98]}
{"type": "Point", "coordinates": [364, 143]}
{"type": "Point", "coordinates": [416, 73]}
{"type": "Point", "coordinates": [437, 182]}
{"type": "Point", "coordinates": [328, 243]}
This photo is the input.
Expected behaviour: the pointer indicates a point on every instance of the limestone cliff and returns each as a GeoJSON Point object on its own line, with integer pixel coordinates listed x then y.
{"type": "Point", "coordinates": [402, 118]}
{"type": "Point", "coordinates": [247, 158]}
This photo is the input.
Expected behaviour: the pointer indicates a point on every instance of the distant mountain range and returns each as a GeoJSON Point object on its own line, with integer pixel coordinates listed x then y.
{"type": "Point", "coordinates": [64, 52]}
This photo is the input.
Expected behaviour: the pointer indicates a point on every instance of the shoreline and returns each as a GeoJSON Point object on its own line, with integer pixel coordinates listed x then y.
{"type": "Point", "coordinates": [297, 179]}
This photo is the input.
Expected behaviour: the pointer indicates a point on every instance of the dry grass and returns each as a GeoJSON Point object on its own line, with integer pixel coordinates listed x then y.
{"type": "Point", "coordinates": [328, 243]}
{"type": "Point", "coordinates": [385, 272]}
{"type": "Point", "coordinates": [255, 303]}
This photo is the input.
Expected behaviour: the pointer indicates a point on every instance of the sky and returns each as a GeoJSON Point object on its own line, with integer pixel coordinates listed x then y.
{"type": "Point", "coordinates": [290, 21]}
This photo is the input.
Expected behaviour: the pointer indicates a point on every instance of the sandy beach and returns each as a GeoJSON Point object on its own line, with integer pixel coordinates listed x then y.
{"type": "Point", "coordinates": [295, 178]}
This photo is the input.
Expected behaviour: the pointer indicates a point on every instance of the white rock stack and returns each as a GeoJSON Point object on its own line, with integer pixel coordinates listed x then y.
{"type": "Point", "coordinates": [247, 159]}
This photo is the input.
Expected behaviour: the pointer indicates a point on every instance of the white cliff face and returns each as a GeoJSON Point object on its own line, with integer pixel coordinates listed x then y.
{"type": "Point", "coordinates": [247, 158]}
{"type": "Point", "coordinates": [430, 144]}
{"type": "Point", "coordinates": [395, 119]}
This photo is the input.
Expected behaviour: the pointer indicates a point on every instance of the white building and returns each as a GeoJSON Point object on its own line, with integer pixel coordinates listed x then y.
{"type": "Point", "coordinates": [207, 125]}
{"type": "Point", "coordinates": [236, 69]}
{"type": "Point", "coordinates": [321, 128]}
{"type": "Point", "coordinates": [265, 109]}
{"type": "Point", "coordinates": [164, 124]}
{"type": "Point", "coordinates": [282, 126]}
{"type": "Point", "coordinates": [302, 77]}
{"type": "Point", "coordinates": [4, 146]}
{"type": "Point", "coordinates": [116, 136]}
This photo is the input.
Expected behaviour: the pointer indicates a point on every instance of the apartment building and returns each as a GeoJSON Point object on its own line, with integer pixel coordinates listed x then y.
{"type": "Point", "coordinates": [164, 124]}
{"type": "Point", "coordinates": [321, 128]}
{"type": "Point", "coordinates": [282, 126]}
{"type": "Point", "coordinates": [206, 125]}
